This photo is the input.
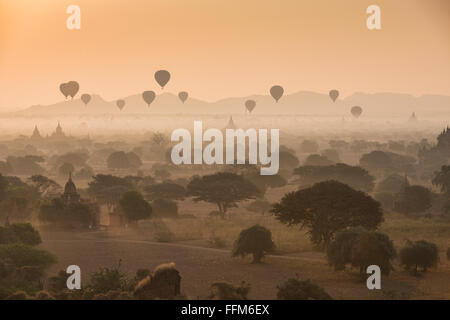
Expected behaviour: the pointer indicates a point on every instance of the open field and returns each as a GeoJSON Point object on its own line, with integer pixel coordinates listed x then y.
{"type": "Point", "coordinates": [193, 247]}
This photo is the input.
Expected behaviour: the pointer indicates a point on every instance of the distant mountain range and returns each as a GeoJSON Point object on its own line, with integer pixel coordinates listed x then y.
{"type": "Point", "coordinates": [302, 103]}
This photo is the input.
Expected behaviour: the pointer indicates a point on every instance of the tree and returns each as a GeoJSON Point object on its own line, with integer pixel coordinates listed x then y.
{"type": "Point", "coordinates": [326, 208]}
{"type": "Point", "coordinates": [390, 161]}
{"type": "Point", "coordinates": [134, 206]}
{"type": "Point", "coordinates": [339, 252]}
{"type": "Point", "coordinates": [417, 254]}
{"type": "Point", "coordinates": [264, 182]}
{"type": "Point", "coordinates": [107, 279]}
{"type": "Point", "coordinates": [332, 155]}
{"type": "Point", "coordinates": [3, 187]}
{"type": "Point", "coordinates": [122, 160]}
{"type": "Point", "coordinates": [20, 232]}
{"type": "Point", "coordinates": [165, 208]}
{"type": "Point", "coordinates": [22, 267]}
{"type": "Point", "coordinates": [255, 240]}
{"type": "Point", "coordinates": [134, 160]}
{"type": "Point", "coordinates": [65, 169]}
{"type": "Point", "coordinates": [294, 289]}
{"type": "Point", "coordinates": [71, 215]}
{"type": "Point", "coordinates": [413, 199]}
{"type": "Point", "coordinates": [224, 189]}
{"type": "Point", "coordinates": [309, 146]}
{"type": "Point", "coordinates": [27, 165]}
{"type": "Point", "coordinates": [373, 248]}
{"type": "Point", "coordinates": [394, 183]}
{"type": "Point", "coordinates": [108, 189]}
{"type": "Point", "coordinates": [442, 179]}
{"type": "Point", "coordinates": [361, 248]}
{"type": "Point", "coordinates": [356, 177]}
{"type": "Point", "coordinates": [317, 160]}
{"type": "Point", "coordinates": [165, 190]}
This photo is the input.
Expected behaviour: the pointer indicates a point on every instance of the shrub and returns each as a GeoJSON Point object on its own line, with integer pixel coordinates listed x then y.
{"type": "Point", "coordinates": [227, 291]}
{"type": "Point", "coordinates": [44, 295]}
{"type": "Point", "coordinates": [294, 289]}
{"type": "Point", "coordinates": [163, 283]}
{"type": "Point", "coordinates": [19, 295]}
{"type": "Point", "coordinates": [413, 199]}
{"type": "Point", "coordinates": [419, 254]}
{"type": "Point", "coordinates": [106, 279]}
{"type": "Point", "coordinates": [165, 208]}
{"type": "Point", "coordinates": [339, 252]}
{"type": "Point", "coordinates": [361, 248]}
{"type": "Point", "coordinates": [373, 248]}
{"type": "Point", "coordinates": [255, 240]}
{"type": "Point", "coordinates": [20, 232]}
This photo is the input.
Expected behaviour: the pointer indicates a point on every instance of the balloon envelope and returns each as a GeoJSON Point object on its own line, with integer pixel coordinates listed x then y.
{"type": "Point", "coordinates": [356, 111]}
{"type": "Point", "coordinates": [250, 105]}
{"type": "Point", "coordinates": [120, 104]}
{"type": "Point", "coordinates": [162, 77]}
{"type": "Point", "coordinates": [64, 88]}
{"type": "Point", "coordinates": [276, 92]}
{"type": "Point", "coordinates": [86, 98]}
{"type": "Point", "coordinates": [334, 94]}
{"type": "Point", "coordinates": [148, 97]}
{"type": "Point", "coordinates": [73, 88]}
{"type": "Point", "coordinates": [183, 95]}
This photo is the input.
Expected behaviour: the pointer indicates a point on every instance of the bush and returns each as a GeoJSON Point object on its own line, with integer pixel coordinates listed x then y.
{"type": "Point", "coordinates": [162, 232]}
{"type": "Point", "coordinates": [227, 291]}
{"type": "Point", "coordinates": [165, 208]}
{"type": "Point", "coordinates": [255, 240]}
{"type": "Point", "coordinates": [26, 234]}
{"type": "Point", "coordinates": [294, 289]}
{"type": "Point", "coordinates": [20, 232]}
{"type": "Point", "coordinates": [44, 295]}
{"type": "Point", "coordinates": [106, 279]}
{"type": "Point", "coordinates": [339, 252]}
{"type": "Point", "coordinates": [163, 283]}
{"type": "Point", "coordinates": [19, 295]}
{"type": "Point", "coordinates": [361, 248]}
{"type": "Point", "coordinates": [413, 199]}
{"type": "Point", "coordinates": [419, 254]}
{"type": "Point", "coordinates": [373, 248]}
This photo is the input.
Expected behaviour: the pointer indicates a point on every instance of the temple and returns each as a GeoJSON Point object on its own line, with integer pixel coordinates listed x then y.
{"type": "Point", "coordinates": [36, 134]}
{"type": "Point", "coordinates": [230, 124]}
{"type": "Point", "coordinates": [70, 194]}
{"type": "Point", "coordinates": [444, 140]}
{"type": "Point", "coordinates": [58, 132]}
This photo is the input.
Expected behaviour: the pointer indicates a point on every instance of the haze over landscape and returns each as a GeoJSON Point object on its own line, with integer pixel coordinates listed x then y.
{"type": "Point", "coordinates": [87, 170]}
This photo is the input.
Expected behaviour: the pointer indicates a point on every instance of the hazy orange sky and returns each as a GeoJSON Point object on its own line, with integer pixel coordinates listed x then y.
{"type": "Point", "coordinates": [221, 48]}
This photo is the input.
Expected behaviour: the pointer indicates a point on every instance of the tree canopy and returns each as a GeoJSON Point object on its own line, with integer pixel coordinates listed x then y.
{"type": "Point", "coordinates": [326, 208]}
{"type": "Point", "coordinates": [224, 189]}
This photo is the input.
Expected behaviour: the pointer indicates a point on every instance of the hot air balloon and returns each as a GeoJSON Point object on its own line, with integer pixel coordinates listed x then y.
{"type": "Point", "coordinates": [73, 88]}
{"type": "Point", "coordinates": [120, 104]}
{"type": "Point", "coordinates": [64, 88]}
{"type": "Point", "coordinates": [356, 111]}
{"type": "Point", "coordinates": [162, 77]}
{"type": "Point", "coordinates": [86, 98]}
{"type": "Point", "coordinates": [183, 95]}
{"type": "Point", "coordinates": [276, 92]}
{"type": "Point", "coordinates": [148, 97]}
{"type": "Point", "coordinates": [250, 105]}
{"type": "Point", "coordinates": [334, 94]}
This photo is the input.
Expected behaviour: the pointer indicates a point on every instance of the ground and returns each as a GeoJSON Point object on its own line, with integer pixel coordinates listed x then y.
{"type": "Point", "coordinates": [200, 247]}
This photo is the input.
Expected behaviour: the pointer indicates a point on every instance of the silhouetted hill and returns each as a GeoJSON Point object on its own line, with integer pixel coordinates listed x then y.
{"type": "Point", "coordinates": [303, 102]}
